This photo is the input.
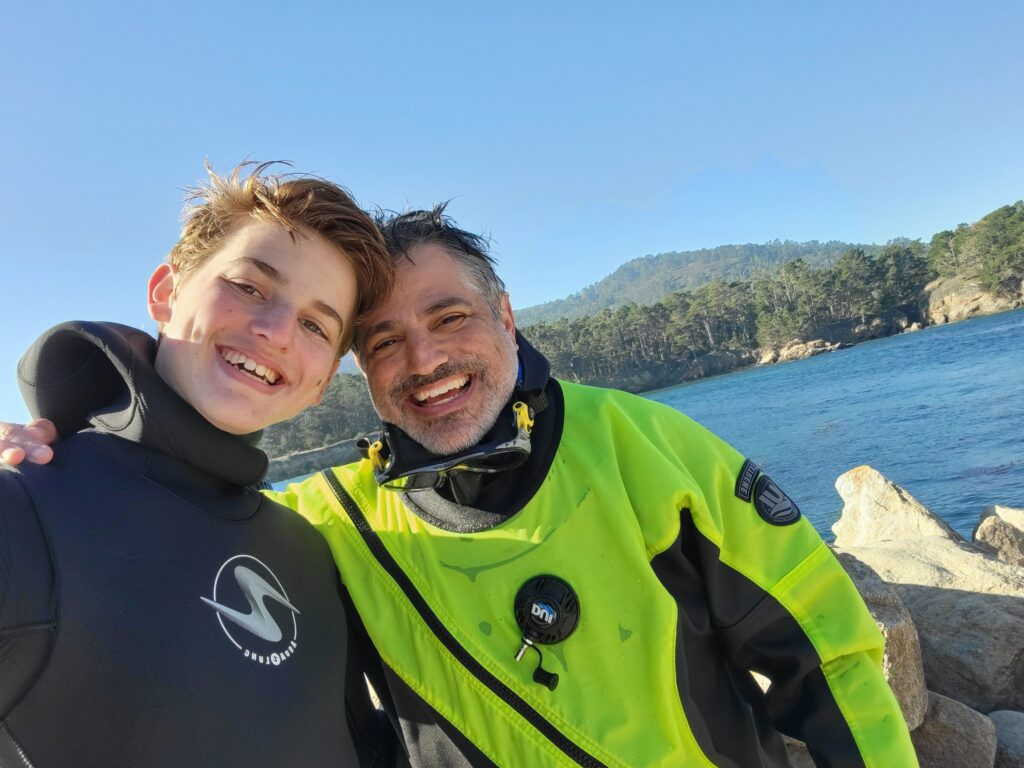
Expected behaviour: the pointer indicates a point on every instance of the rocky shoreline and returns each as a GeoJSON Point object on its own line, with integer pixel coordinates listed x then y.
{"type": "Point", "coordinates": [952, 614]}
{"type": "Point", "coordinates": [946, 300]}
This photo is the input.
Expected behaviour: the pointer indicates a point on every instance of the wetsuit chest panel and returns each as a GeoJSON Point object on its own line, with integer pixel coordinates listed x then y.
{"type": "Point", "coordinates": [183, 638]}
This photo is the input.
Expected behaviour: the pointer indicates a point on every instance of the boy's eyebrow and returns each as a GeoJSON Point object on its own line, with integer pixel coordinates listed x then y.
{"type": "Point", "coordinates": [275, 275]}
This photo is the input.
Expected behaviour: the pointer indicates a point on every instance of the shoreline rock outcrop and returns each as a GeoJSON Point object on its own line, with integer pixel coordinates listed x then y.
{"type": "Point", "coordinates": [951, 299]}
{"type": "Point", "coordinates": [966, 613]}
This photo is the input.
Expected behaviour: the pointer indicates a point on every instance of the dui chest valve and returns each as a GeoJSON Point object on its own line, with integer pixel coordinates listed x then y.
{"type": "Point", "coordinates": [547, 611]}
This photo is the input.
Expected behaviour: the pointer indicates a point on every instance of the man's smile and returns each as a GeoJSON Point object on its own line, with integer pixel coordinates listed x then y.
{"type": "Point", "coordinates": [442, 391]}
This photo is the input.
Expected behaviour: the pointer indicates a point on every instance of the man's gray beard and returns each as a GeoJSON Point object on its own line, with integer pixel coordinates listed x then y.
{"type": "Point", "coordinates": [436, 437]}
{"type": "Point", "coordinates": [468, 428]}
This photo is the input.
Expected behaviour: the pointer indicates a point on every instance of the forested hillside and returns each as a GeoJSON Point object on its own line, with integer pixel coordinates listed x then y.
{"type": "Point", "coordinates": [719, 325]}
{"type": "Point", "coordinates": [648, 279]}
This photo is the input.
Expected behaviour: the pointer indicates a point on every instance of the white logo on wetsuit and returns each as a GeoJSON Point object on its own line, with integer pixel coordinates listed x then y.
{"type": "Point", "coordinates": [263, 639]}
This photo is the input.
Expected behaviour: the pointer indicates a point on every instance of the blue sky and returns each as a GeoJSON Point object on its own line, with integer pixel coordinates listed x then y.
{"type": "Point", "coordinates": [578, 135]}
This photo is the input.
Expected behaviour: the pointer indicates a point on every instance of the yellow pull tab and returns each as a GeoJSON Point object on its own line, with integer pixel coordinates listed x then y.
{"type": "Point", "coordinates": [523, 420]}
{"type": "Point", "coordinates": [373, 454]}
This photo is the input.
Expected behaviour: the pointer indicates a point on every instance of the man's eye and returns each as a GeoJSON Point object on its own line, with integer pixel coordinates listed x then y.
{"type": "Point", "coordinates": [454, 318]}
{"type": "Point", "coordinates": [382, 344]}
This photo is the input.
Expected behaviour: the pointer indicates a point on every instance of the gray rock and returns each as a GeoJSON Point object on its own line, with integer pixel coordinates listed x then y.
{"type": "Point", "coordinates": [954, 736]}
{"type": "Point", "coordinates": [1009, 738]}
{"type": "Point", "coordinates": [1003, 540]}
{"type": "Point", "coordinates": [876, 509]}
{"type": "Point", "coordinates": [968, 608]}
{"type": "Point", "coordinates": [969, 613]}
{"type": "Point", "coordinates": [901, 662]}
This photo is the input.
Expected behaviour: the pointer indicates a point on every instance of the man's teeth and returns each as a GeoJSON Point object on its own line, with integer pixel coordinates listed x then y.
{"type": "Point", "coordinates": [239, 360]}
{"type": "Point", "coordinates": [438, 390]}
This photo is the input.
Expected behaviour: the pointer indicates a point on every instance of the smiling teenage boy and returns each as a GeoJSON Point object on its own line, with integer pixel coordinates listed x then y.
{"type": "Point", "coordinates": [155, 609]}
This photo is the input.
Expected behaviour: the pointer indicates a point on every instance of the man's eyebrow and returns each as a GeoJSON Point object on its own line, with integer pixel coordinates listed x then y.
{"type": "Point", "coordinates": [272, 273]}
{"type": "Point", "coordinates": [438, 306]}
{"type": "Point", "coordinates": [442, 304]}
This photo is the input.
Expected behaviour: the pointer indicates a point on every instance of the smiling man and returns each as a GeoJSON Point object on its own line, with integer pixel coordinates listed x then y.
{"type": "Point", "coordinates": [156, 610]}
{"type": "Point", "coordinates": [561, 575]}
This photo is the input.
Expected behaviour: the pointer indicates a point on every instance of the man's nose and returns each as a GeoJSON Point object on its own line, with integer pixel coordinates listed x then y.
{"type": "Point", "coordinates": [424, 354]}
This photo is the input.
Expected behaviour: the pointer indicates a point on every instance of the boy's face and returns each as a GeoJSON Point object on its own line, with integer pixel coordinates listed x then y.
{"type": "Point", "coordinates": [251, 336]}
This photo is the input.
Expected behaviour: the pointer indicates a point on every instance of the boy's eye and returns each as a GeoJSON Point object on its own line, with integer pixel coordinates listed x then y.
{"type": "Point", "coordinates": [246, 288]}
{"type": "Point", "coordinates": [314, 328]}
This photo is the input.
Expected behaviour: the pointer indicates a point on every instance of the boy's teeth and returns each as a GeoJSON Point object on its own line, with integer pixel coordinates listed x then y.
{"type": "Point", "coordinates": [240, 360]}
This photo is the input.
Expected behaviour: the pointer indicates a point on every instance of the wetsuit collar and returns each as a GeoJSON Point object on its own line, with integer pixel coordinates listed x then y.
{"type": "Point", "coordinates": [74, 366]}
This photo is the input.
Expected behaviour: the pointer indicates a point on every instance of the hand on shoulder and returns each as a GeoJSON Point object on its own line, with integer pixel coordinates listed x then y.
{"type": "Point", "coordinates": [31, 441]}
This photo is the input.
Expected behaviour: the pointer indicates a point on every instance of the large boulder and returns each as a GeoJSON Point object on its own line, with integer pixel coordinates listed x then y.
{"type": "Point", "coordinates": [1009, 738]}
{"type": "Point", "coordinates": [954, 736]}
{"type": "Point", "coordinates": [1001, 531]}
{"type": "Point", "coordinates": [968, 607]}
{"type": "Point", "coordinates": [901, 662]}
{"type": "Point", "coordinates": [869, 501]}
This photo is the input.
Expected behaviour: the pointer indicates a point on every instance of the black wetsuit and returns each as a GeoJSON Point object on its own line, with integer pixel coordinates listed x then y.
{"type": "Point", "coordinates": [155, 610]}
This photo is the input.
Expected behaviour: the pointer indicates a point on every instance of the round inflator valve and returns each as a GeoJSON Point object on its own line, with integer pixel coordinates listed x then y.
{"type": "Point", "coordinates": [546, 609]}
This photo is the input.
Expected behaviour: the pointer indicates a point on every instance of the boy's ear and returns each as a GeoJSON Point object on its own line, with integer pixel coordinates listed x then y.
{"type": "Point", "coordinates": [161, 292]}
{"type": "Point", "coordinates": [327, 382]}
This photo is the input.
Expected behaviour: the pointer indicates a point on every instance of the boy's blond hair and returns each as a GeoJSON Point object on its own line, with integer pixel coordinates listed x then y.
{"type": "Point", "coordinates": [295, 203]}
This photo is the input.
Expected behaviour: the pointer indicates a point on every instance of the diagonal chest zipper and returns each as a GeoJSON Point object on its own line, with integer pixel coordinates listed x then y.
{"type": "Point", "coordinates": [454, 647]}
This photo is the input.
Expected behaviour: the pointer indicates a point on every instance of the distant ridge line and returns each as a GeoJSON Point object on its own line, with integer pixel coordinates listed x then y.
{"type": "Point", "coordinates": [647, 279]}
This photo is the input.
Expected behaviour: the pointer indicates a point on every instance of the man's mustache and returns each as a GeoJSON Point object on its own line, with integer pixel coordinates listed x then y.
{"type": "Point", "coordinates": [470, 365]}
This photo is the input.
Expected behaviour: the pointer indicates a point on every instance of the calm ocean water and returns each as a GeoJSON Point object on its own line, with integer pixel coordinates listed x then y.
{"type": "Point", "coordinates": [939, 412]}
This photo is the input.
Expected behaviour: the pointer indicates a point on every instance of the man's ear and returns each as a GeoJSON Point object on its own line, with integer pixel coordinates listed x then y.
{"type": "Point", "coordinates": [327, 382]}
{"type": "Point", "coordinates": [508, 320]}
{"type": "Point", "coordinates": [161, 292]}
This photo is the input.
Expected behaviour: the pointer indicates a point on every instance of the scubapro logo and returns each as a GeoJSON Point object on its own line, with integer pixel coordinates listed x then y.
{"type": "Point", "coordinates": [256, 633]}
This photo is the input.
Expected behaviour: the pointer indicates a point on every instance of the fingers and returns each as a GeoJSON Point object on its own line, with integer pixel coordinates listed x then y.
{"type": "Point", "coordinates": [43, 430]}
{"type": "Point", "coordinates": [12, 456]}
{"type": "Point", "coordinates": [18, 443]}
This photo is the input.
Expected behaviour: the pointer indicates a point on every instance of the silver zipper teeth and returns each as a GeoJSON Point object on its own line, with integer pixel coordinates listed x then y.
{"type": "Point", "coordinates": [26, 763]}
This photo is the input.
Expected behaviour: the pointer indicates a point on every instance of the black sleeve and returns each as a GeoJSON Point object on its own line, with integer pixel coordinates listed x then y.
{"type": "Point", "coordinates": [28, 606]}
{"type": "Point", "coordinates": [374, 728]}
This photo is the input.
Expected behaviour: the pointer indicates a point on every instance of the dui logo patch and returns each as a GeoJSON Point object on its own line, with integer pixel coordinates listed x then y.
{"type": "Point", "coordinates": [772, 504]}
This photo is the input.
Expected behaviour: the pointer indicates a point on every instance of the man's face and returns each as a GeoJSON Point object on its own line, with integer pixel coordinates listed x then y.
{"type": "Point", "coordinates": [438, 362]}
{"type": "Point", "coordinates": [251, 336]}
